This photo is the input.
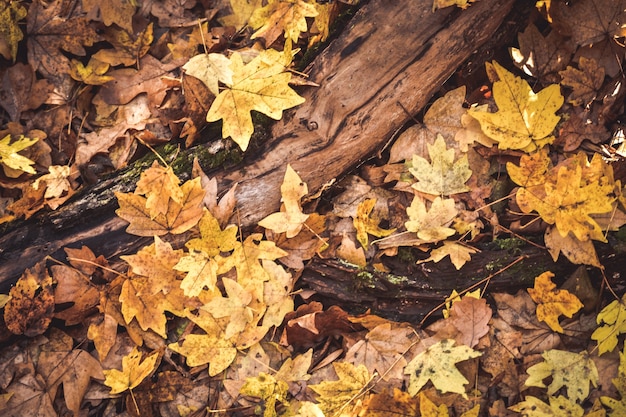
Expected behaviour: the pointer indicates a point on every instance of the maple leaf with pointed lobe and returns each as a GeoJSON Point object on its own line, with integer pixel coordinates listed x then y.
{"type": "Point", "coordinates": [611, 323]}
{"type": "Point", "coordinates": [443, 175]}
{"type": "Point", "coordinates": [437, 365]}
{"type": "Point", "coordinates": [291, 218]}
{"type": "Point", "coordinates": [573, 371]}
{"type": "Point", "coordinates": [10, 157]}
{"type": "Point", "coordinates": [278, 16]}
{"type": "Point", "coordinates": [133, 372]}
{"type": "Point", "coordinates": [431, 225]}
{"type": "Point", "coordinates": [10, 34]}
{"type": "Point", "coordinates": [333, 395]}
{"type": "Point", "coordinates": [552, 302]}
{"type": "Point", "coordinates": [525, 120]}
{"type": "Point", "coordinates": [257, 86]}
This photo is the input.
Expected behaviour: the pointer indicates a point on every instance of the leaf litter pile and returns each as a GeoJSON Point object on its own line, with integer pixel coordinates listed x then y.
{"type": "Point", "coordinates": [219, 326]}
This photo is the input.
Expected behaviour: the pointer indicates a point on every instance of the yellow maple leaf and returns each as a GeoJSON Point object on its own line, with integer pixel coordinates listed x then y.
{"type": "Point", "coordinates": [92, 73]}
{"type": "Point", "coordinates": [430, 409]}
{"type": "Point", "coordinates": [235, 306]}
{"type": "Point", "coordinates": [431, 225]}
{"type": "Point", "coordinates": [364, 224]}
{"type": "Point", "coordinates": [269, 389]}
{"type": "Point", "coordinates": [10, 34]}
{"type": "Point", "coordinates": [571, 370]}
{"type": "Point", "coordinates": [179, 217]}
{"type": "Point", "coordinates": [612, 322]}
{"type": "Point", "coordinates": [133, 372]}
{"type": "Point", "coordinates": [210, 69]}
{"type": "Point", "coordinates": [56, 181]}
{"type": "Point", "coordinates": [335, 395]}
{"type": "Point", "coordinates": [437, 365]}
{"type": "Point", "coordinates": [291, 218]}
{"type": "Point", "coordinates": [569, 201]}
{"type": "Point", "coordinates": [156, 262]}
{"type": "Point", "coordinates": [200, 349]}
{"type": "Point", "coordinates": [443, 176]}
{"type": "Point", "coordinates": [213, 239]}
{"type": "Point", "coordinates": [276, 293]}
{"type": "Point", "coordinates": [525, 120]}
{"type": "Point", "coordinates": [559, 406]}
{"type": "Point", "coordinates": [242, 10]}
{"type": "Point", "coordinates": [256, 86]}
{"type": "Point", "coordinates": [159, 184]}
{"type": "Point", "coordinates": [10, 157]}
{"type": "Point", "coordinates": [278, 16]}
{"type": "Point", "coordinates": [551, 302]}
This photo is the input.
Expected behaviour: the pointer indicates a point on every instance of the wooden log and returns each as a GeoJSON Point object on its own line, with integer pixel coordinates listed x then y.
{"type": "Point", "coordinates": [393, 55]}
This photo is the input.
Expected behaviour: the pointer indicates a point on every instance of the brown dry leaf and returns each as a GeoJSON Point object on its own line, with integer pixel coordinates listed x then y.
{"type": "Point", "coordinates": [310, 324]}
{"type": "Point", "coordinates": [579, 127]}
{"type": "Point", "coordinates": [551, 302]}
{"type": "Point", "coordinates": [29, 398]}
{"type": "Point", "coordinates": [179, 218]}
{"type": "Point", "coordinates": [305, 245]}
{"type": "Point", "coordinates": [52, 30]}
{"type": "Point", "coordinates": [60, 364]}
{"type": "Point", "coordinates": [541, 56]}
{"type": "Point", "coordinates": [518, 311]}
{"type": "Point", "coordinates": [119, 12]}
{"type": "Point", "coordinates": [75, 288]}
{"type": "Point", "coordinates": [128, 49]}
{"type": "Point", "coordinates": [382, 350]}
{"type": "Point", "coordinates": [591, 21]}
{"type": "Point", "coordinates": [128, 83]}
{"type": "Point", "coordinates": [585, 81]}
{"type": "Point", "coordinates": [30, 309]}
{"type": "Point", "coordinates": [471, 317]}
{"type": "Point", "coordinates": [577, 251]}
{"type": "Point", "coordinates": [20, 90]}
{"type": "Point", "coordinates": [174, 13]}
{"type": "Point", "coordinates": [350, 253]}
{"type": "Point", "coordinates": [399, 404]}
{"type": "Point", "coordinates": [222, 210]}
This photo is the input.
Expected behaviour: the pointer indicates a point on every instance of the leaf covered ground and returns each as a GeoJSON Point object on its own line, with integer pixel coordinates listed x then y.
{"type": "Point", "coordinates": [220, 325]}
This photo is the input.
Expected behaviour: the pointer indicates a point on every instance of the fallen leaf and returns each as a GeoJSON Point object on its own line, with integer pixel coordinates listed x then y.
{"type": "Point", "coordinates": [552, 302]}
{"type": "Point", "coordinates": [31, 307]}
{"type": "Point", "coordinates": [10, 33]}
{"type": "Point", "coordinates": [128, 49]}
{"type": "Point", "coordinates": [576, 251]}
{"type": "Point", "coordinates": [525, 120]}
{"type": "Point", "coordinates": [366, 225]}
{"type": "Point", "coordinates": [92, 73]}
{"type": "Point", "coordinates": [235, 306]}
{"type": "Point", "coordinates": [431, 225]}
{"type": "Point", "coordinates": [56, 181]}
{"type": "Point", "coordinates": [459, 253]}
{"type": "Point", "coordinates": [334, 395]}
{"type": "Point", "coordinates": [255, 86]}
{"type": "Point", "coordinates": [242, 10]}
{"type": "Point", "coordinates": [269, 389]}
{"type": "Point", "coordinates": [133, 372]}
{"type": "Point", "coordinates": [179, 218]}
{"type": "Point", "coordinates": [471, 317]}
{"type": "Point", "coordinates": [200, 349]}
{"type": "Point", "coordinates": [612, 322]}
{"type": "Point", "coordinates": [437, 364]}
{"type": "Point", "coordinates": [119, 12]}
{"type": "Point", "coordinates": [10, 157]}
{"type": "Point", "coordinates": [210, 69]}
{"type": "Point", "coordinates": [444, 175]}
{"type": "Point", "coordinates": [618, 407]}
{"type": "Point", "coordinates": [559, 406]}
{"type": "Point", "coordinates": [585, 81]}
{"type": "Point", "coordinates": [574, 371]}
{"type": "Point", "coordinates": [291, 219]}
{"type": "Point", "coordinates": [20, 90]}
{"type": "Point", "coordinates": [281, 16]}
{"type": "Point", "coordinates": [591, 21]}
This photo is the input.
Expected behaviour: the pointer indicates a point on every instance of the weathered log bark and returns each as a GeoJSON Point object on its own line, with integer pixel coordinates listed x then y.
{"type": "Point", "coordinates": [386, 65]}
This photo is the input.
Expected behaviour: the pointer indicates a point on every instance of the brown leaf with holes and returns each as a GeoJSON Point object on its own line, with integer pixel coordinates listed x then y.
{"type": "Point", "coordinates": [578, 128]}
{"type": "Point", "coordinates": [30, 309]}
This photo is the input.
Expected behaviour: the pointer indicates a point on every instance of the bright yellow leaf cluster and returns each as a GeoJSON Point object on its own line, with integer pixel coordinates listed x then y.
{"type": "Point", "coordinates": [567, 194]}
{"type": "Point", "coordinates": [10, 157]}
